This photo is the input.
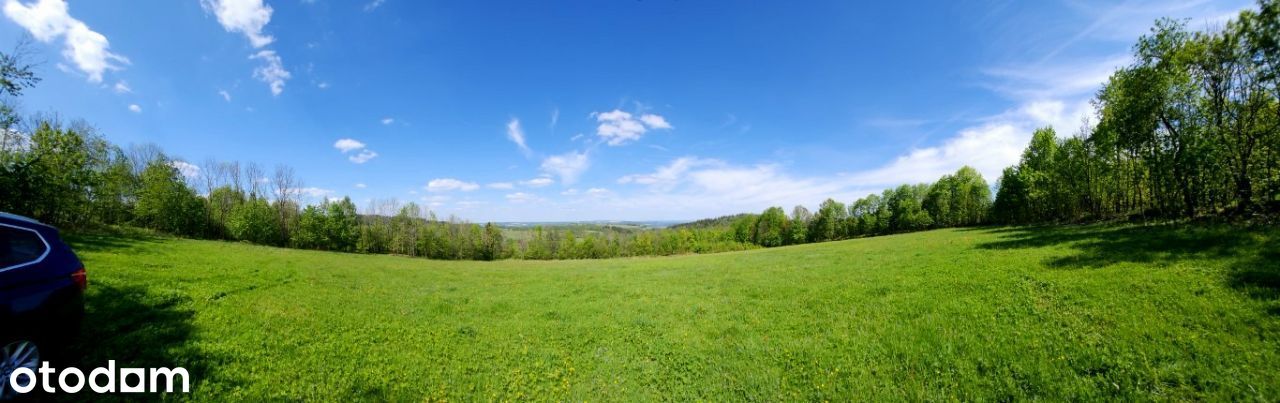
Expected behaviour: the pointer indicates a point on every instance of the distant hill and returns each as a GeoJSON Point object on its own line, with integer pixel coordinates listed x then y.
{"type": "Point", "coordinates": [596, 223]}
{"type": "Point", "coordinates": [722, 221]}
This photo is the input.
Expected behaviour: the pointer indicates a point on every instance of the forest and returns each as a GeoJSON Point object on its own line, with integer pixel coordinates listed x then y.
{"type": "Point", "coordinates": [1189, 129]}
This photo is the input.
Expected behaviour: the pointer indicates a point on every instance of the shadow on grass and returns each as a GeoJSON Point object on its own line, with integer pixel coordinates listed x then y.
{"type": "Point", "coordinates": [1259, 276]}
{"type": "Point", "coordinates": [138, 328]}
{"type": "Point", "coordinates": [108, 243]}
{"type": "Point", "coordinates": [1105, 245]}
{"type": "Point", "coordinates": [1252, 254]}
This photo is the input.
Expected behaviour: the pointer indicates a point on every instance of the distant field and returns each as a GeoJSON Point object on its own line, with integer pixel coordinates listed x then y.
{"type": "Point", "coordinates": [1007, 313]}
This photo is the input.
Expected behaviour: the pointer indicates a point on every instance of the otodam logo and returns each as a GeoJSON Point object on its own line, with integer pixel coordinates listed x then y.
{"type": "Point", "coordinates": [101, 380]}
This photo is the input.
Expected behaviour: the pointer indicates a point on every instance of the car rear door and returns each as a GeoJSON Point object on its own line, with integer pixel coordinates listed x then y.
{"type": "Point", "coordinates": [34, 264]}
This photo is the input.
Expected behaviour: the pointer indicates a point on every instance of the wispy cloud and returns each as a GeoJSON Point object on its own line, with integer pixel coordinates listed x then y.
{"type": "Point", "coordinates": [522, 197]}
{"type": "Point", "coordinates": [363, 156]}
{"type": "Point", "coordinates": [538, 182]}
{"type": "Point", "coordinates": [48, 20]}
{"type": "Point", "coordinates": [450, 184]}
{"type": "Point", "coordinates": [250, 18]}
{"type": "Point", "coordinates": [516, 134]}
{"type": "Point", "coordinates": [271, 71]}
{"type": "Point", "coordinates": [568, 166]}
{"type": "Point", "coordinates": [348, 145]}
{"type": "Point", "coordinates": [187, 170]}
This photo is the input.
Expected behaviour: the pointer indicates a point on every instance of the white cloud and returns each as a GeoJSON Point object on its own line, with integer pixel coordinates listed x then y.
{"type": "Point", "coordinates": [121, 87]}
{"type": "Point", "coordinates": [655, 121]}
{"type": "Point", "coordinates": [48, 20]}
{"type": "Point", "coordinates": [271, 71]}
{"type": "Point", "coordinates": [361, 186]}
{"type": "Point", "coordinates": [435, 200]}
{"type": "Point", "coordinates": [348, 145]}
{"type": "Point", "coordinates": [501, 185]}
{"type": "Point", "coordinates": [248, 17]}
{"type": "Point", "coordinates": [313, 192]}
{"type": "Point", "coordinates": [988, 148]}
{"type": "Point", "coordinates": [388, 121]}
{"type": "Point", "coordinates": [516, 134]}
{"type": "Point", "coordinates": [568, 166]}
{"type": "Point", "coordinates": [668, 176]}
{"type": "Point", "coordinates": [538, 182]}
{"type": "Point", "coordinates": [700, 187]}
{"type": "Point", "coordinates": [364, 156]}
{"type": "Point", "coordinates": [186, 169]}
{"type": "Point", "coordinates": [618, 127]}
{"type": "Point", "coordinates": [450, 184]}
{"type": "Point", "coordinates": [225, 95]}
{"type": "Point", "coordinates": [135, 108]}
{"type": "Point", "coordinates": [522, 197]}
{"type": "Point", "coordinates": [323, 85]}
{"type": "Point", "coordinates": [373, 5]}
{"type": "Point", "coordinates": [1032, 82]}
{"type": "Point", "coordinates": [1125, 21]}
{"type": "Point", "coordinates": [598, 192]}
{"type": "Point", "coordinates": [1065, 119]}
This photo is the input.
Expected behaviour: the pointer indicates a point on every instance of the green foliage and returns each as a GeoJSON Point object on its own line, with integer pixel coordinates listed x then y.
{"type": "Point", "coordinates": [165, 202]}
{"type": "Point", "coordinates": [797, 231]}
{"type": "Point", "coordinates": [222, 201]}
{"type": "Point", "coordinates": [744, 228]}
{"type": "Point", "coordinates": [54, 178]}
{"type": "Point", "coordinates": [771, 228]}
{"type": "Point", "coordinates": [826, 223]}
{"type": "Point", "coordinates": [1191, 128]}
{"type": "Point", "coordinates": [906, 205]}
{"type": "Point", "coordinates": [254, 221]}
{"type": "Point", "coordinates": [16, 74]}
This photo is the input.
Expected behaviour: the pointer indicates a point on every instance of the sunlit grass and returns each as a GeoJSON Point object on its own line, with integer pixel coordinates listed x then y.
{"type": "Point", "coordinates": [1079, 313]}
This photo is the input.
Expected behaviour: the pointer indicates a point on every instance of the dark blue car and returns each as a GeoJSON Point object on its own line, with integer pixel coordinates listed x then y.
{"type": "Point", "coordinates": [42, 286]}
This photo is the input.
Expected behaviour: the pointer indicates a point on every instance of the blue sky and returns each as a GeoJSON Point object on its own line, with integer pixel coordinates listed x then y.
{"type": "Point", "coordinates": [582, 110]}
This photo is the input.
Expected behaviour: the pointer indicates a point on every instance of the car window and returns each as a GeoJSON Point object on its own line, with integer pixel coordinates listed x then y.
{"type": "Point", "coordinates": [19, 246]}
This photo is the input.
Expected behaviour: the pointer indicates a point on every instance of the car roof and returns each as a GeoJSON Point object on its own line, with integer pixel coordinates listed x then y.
{"type": "Point", "coordinates": [25, 219]}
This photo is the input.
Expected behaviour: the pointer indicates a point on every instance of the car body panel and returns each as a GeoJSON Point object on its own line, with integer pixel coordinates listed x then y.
{"type": "Point", "coordinates": [39, 297]}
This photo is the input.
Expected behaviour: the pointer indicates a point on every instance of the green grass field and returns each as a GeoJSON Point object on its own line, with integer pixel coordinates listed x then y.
{"type": "Point", "coordinates": [1004, 313]}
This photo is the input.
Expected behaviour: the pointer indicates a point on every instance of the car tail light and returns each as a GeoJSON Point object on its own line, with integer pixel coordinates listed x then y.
{"type": "Point", "coordinates": [80, 278]}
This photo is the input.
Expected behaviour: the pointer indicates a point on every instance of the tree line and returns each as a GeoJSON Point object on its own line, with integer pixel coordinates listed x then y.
{"type": "Point", "coordinates": [1190, 129]}
{"type": "Point", "coordinates": [959, 199]}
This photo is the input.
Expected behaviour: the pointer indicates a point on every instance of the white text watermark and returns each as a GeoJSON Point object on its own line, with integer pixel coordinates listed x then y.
{"type": "Point", "coordinates": [73, 380]}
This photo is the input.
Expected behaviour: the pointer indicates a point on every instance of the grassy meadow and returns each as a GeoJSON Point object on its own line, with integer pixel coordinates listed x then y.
{"type": "Point", "coordinates": [1081, 313]}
